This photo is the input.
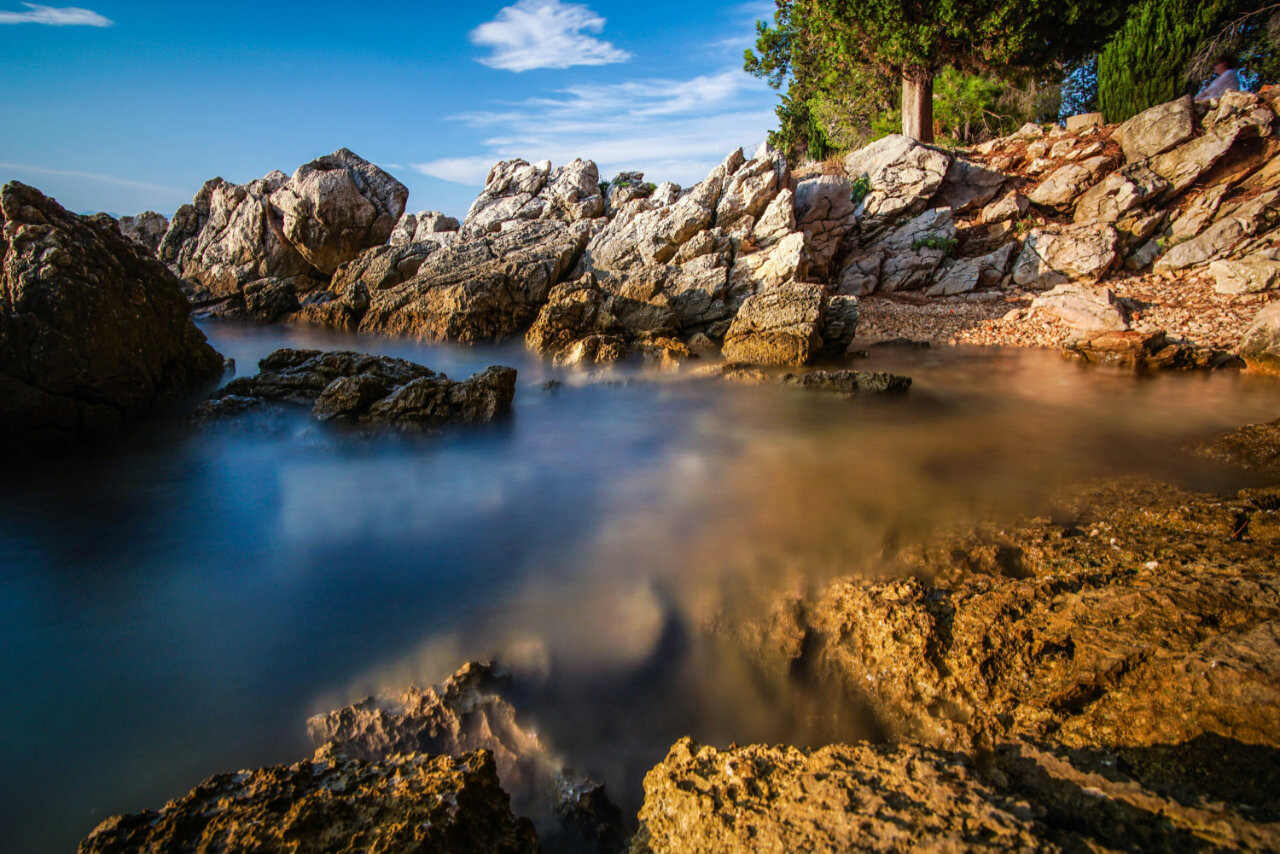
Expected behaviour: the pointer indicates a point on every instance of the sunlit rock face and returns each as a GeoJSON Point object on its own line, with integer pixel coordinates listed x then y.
{"type": "Point", "coordinates": [93, 329]}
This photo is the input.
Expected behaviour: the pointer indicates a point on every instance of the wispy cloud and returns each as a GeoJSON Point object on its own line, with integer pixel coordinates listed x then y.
{"type": "Point", "coordinates": [68, 16]}
{"type": "Point", "coordinates": [91, 176]}
{"type": "Point", "coordinates": [545, 34]}
{"type": "Point", "coordinates": [670, 129]}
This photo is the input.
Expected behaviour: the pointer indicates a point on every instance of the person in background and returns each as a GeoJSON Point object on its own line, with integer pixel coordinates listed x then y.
{"type": "Point", "coordinates": [1225, 79]}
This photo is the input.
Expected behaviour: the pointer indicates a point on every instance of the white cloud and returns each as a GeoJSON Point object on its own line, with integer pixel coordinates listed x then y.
{"type": "Point", "coordinates": [93, 176]}
{"type": "Point", "coordinates": [545, 34]}
{"type": "Point", "coordinates": [670, 129]}
{"type": "Point", "coordinates": [68, 16]}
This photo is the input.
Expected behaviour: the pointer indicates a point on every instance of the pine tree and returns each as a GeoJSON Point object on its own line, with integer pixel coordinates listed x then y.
{"type": "Point", "coordinates": [1145, 62]}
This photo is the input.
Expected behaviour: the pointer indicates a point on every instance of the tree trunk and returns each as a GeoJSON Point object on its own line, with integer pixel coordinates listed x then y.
{"type": "Point", "coordinates": [917, 106]}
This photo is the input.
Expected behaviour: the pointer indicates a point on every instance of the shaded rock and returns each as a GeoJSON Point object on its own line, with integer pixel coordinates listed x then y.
{"type": "Point", "coordinates": [1254, 447]}
{"type": "Point", "coordinates": [357, 389]}
{"type": "Point", "coordinates": [825, 213]}
{"type": "Point", "coordinates": [1010, 206]}
{"type": "Point", "coordinates": [404, 803]}
{"type": "Point", "coordinates": [268, 300]}
{"type": "Point", "coordinates": [840, 324]}
{"type": "Point", "coordinates": [1157, 130]}
{"type": "Point", "coordinates": [337, 206]}
{"type": "Point", "coordinates": [485, 288]}
{"type": "Point", "coordinates": [1260, 346]}
{"type": "Point", "coordinates": [383, 267]}
{"type": "Point", "coordinates": [782, 326]}
{"type": "Point", "coordinates": [965, 275]}
{"type": "Point", "coordinates": [1234, 224]}
{"type": "Point", "coordinates": [147, 228]}
{"type": "Point", "coordinates": [849, 383]}
{"type": "Point", "coordinates": [93, 329]}
{"type": "Point", "coordinates": [1083, 307]}
{"type": "Point", "coordinates": [469, 712]}
{"type": "Point", "coordinates": [1059, 254]}
{"type": "Point", "coordinates": [904, 176]}
{"type": "Point", "coordinates": [968, 186]}
{"type": "Point", "coordinates": [904, 258]}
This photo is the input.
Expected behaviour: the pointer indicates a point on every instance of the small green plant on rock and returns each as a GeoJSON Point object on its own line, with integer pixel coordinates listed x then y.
{"type": "Point", "coordinates": [935, 241]}
{"type": "Point", "coordinates": [858, 191]}
{"type": "Point", "coordinates": [649, 188]}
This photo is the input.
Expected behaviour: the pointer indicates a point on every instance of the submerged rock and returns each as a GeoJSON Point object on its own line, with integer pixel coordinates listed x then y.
{"type": "Point", "coordinates": [408, 802]}
{"type": "Point", "coordinates": [357, 389]}
{"type": "Point", "coordinates": [93, 329]}
{"type": "Point", "coordinates": [849, 383]}
{"type": "Point", "coordinates": [1255, 447]}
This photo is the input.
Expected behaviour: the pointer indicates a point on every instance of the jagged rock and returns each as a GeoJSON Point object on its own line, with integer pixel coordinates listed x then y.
{"type": "Point", "coordinates": [904, 176]}
{"type": "Point", "coordinates": [783, 262]}
{"type": "Point", "coordinates": [1239, 116]}
{"type": "Point", "coordinates": [825, 213]}
{"type": "Point", "coordinates": [354, 388]}
{"type": "Point", "coordinates": [424, 226]}
{"type": "Point", "coordinates": [484, 288]}
{"type": "Point", "coordinates": [1147, 351]}
{"type": "Point", "coordinates": [383, 267]}
{"type": "Point", "coordinates": [776, 223]}
{"type": "Point", "coordinates": [782, 326]}
{"type": "Point", "coordinates": [1260, 346]}
{"type": "Point", "coordinates": [470, 712]}
{"type": "Point", "coordinates": [625, 187]}
{"type": "Point", "coordinates": [908, 255]}
{"type": "Point", "coordinates": [878, 797]}
{"type": "Point", "coordinates": [1254, 447]}
{"type": "Point", "coordinates": [268, 300]}
{"type": "Point", "coordinates": [751, 189]}
{"type": "Point", "coordinates": [1059, 254]}
{"type": "Point", "coordinates": [1010, 206]}
{"type": "Point", "coordinates": [1068, 182]}
{"type": "Point", "coordinates": [1083, 307]}
{"type": "Point", "coordinates": [840, 324]}
{"type": "Point", "coordinates": [337, 206]}
{"type": "Point", "coordinates": [1157, 130]}
{"type": "Point", "coordinates": [517, 190]}
{"type": "Point", "coordinates": [1119, 193]}
{"type": "Point", "coordinates": [1250, 275]}
{"type": "Point", "coordinates": [93, 329]}
{"type": "Point", "coordinates": [325, 308]}
{"type": "Point", "coordinates": [667, 193]}
{"type": "Point", "coordinates": [402, 803]}
{"type": "Point", "coordinates": [228, 236]}
{"type": "Point", "coordinates": [849, 383]}
{"type": "Point", "coordinates": [1090, 628]}
{"type": "Point", "coordinates": [1234, 224]}
{"type": "Point", "coordinates": [146, 229]}
{"type": "Point", "coordinates": [581, 309]}
{"type": "Point", "coordinates": [1198, 214]}
{"type": "Point", "coordinates": [968, 186]}
{"type": "Point", "coordinates": [968, 274]}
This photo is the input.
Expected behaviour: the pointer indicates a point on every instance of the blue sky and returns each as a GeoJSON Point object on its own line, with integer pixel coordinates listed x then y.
{"type": "Point", "coordinates": [127, 106]}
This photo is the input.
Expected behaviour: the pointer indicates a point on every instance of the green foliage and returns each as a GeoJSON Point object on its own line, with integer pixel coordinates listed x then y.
{"type": "Point", "coordinates": [649, 187]}
{"type": "Point", "coordinates": [1144, 63]}
{"type": "Point", "coordinates": [861, 186]}
{"type": "Point", "coordinates": [604, 188]}
{"type": "Point", "coordinates": [934, 241]}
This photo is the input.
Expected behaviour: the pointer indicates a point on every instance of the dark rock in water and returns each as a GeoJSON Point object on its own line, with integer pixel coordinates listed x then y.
{"type": "Point", "coordinates": [849, 383]}
{"type": "Point", "coordinates": [1151, 351]}
{"type": "Point", "coordinates": [906, 343]}
{"type": "Point", "coordinates": [470, 711]}
{"type": "Point", "coordinates": [1255, 447]}
{"type": "Point", "coordinates": [403, 803]}
{"type": "Point", "coordinates": [92, 328]}
{"type": "Point", "coordinates": [354, 388]}
{"type": "Point", "coordinates": [269, 300]}
{"type": "Point", "coordinates": [878, 797]}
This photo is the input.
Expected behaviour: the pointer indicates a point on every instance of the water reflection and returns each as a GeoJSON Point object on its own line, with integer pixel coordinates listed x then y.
{"type": "Point", "coordinates": [178, 605]}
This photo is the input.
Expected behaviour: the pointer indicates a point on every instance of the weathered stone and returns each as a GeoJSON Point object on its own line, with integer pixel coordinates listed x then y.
{"type": "Point", "coordinates": [1198, 214]}
{"type": "Point", "coordinates": [909, 253]}
{"type": "Point", "coordinates": [1234, 224]}
{"type": "Point", "coordinates": [1119, 193]}
{"type": "Point", "coordinates": [1157, 130]}
{"type": "Point", "coordinates": [1084, 121]}
{"type": "Point", "coordinates": [147, 228]}
{"type": "Point", "coordinates": [751, 189]}
{"type": "Point", "coordinates": [403, 803]}
{"type": "Point", "coordinates": [1010, 206]}
{"type": "Point", "coordinates": [1247, 276]}
{"type": "Point", "coordinates": [1058, 254]}
{"type": "Point", "coordinates": [968, 274]}
{"type": "Point", "coordinates": [1254, 447]}
{"type": "Point", "coordinates": [1260, 346]}
{"type": "Point", "coordinates": [581, 309]}
{"type": "Point", "coordinates": [337, 206]}
{"type": "Point", "coordinates": [269, 300]}
{"type": "Point", "coordinates": [840, 324]}
{"type": "Point", "coordinates": [1083, 307]}
{"type": "Point", "coordinates": [849, 383]}
{"type": "Point", "coordinates": [510, 193]}
{"type": "Point", "coordinates": [93, 329]}
{"type": "Point", "coordinates": [904, 176]}
{"type": "Point", "coordinates": [1067, 182]}
{"type": "Point", "coordinates": [967, 186]}
{"type": "Point", "coordinates": [782, 326]}
{"type": "Point", "coordinates": [825, 213]}
{"type": "Point", "coordinates": [424, 226]}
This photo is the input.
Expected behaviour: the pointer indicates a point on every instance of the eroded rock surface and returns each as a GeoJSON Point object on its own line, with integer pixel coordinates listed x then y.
{"type": "Point", "coordinates": [93, 329]}
{"type": "Point", "coordinates": [147, 228]}
{"type": "Point", "coordinates": [409, 802]}
{"type": "Point", "coordinates": [357, 389]}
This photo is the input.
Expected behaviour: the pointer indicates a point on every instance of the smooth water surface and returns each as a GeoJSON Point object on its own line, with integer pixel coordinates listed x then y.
{"type": "Point", "coordinates": [177, 604]}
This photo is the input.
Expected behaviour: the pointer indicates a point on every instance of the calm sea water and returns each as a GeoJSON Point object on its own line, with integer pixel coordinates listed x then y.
{"type": "Point", "coordinates": [176, 605]}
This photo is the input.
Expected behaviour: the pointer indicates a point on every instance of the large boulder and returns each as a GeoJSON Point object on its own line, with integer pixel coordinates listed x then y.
{"type": "Point", "coordinates": [1083, 307]}
{"type": "Point", "coordinates": [337, 206]}
{"type": "Point", "coordinates": [1260, 346]}
{"type": "Point", "coordinates": [93, 329]}
{"type": "Point", "coordinates": [903, 174]}
{"type": "Point", "coordinates": [581, 309]}
{"type": "Point", "coordinates": [408, 802]}
{"type": "Point", "coordinates": [968, 274]}
{"type": "Point", "coordinates": [1119, 193]}
{"type": "Point", "coordinates": [147, 228]}
{"type": "Point", "coordinates": [1157, 130]}
{"type": "Point", "coordinates": [1250, 275]}
{"type": "Point", "coordinates": [518, 190]}
{"type": "Point", "coordinates": [781, 326]}
{"type": "Point", "coordinates": [968, 186]}
{"type": "Point", "coordinates": [1066, 183]}
{"type": "Point", "coordinates": [1056, 255]}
